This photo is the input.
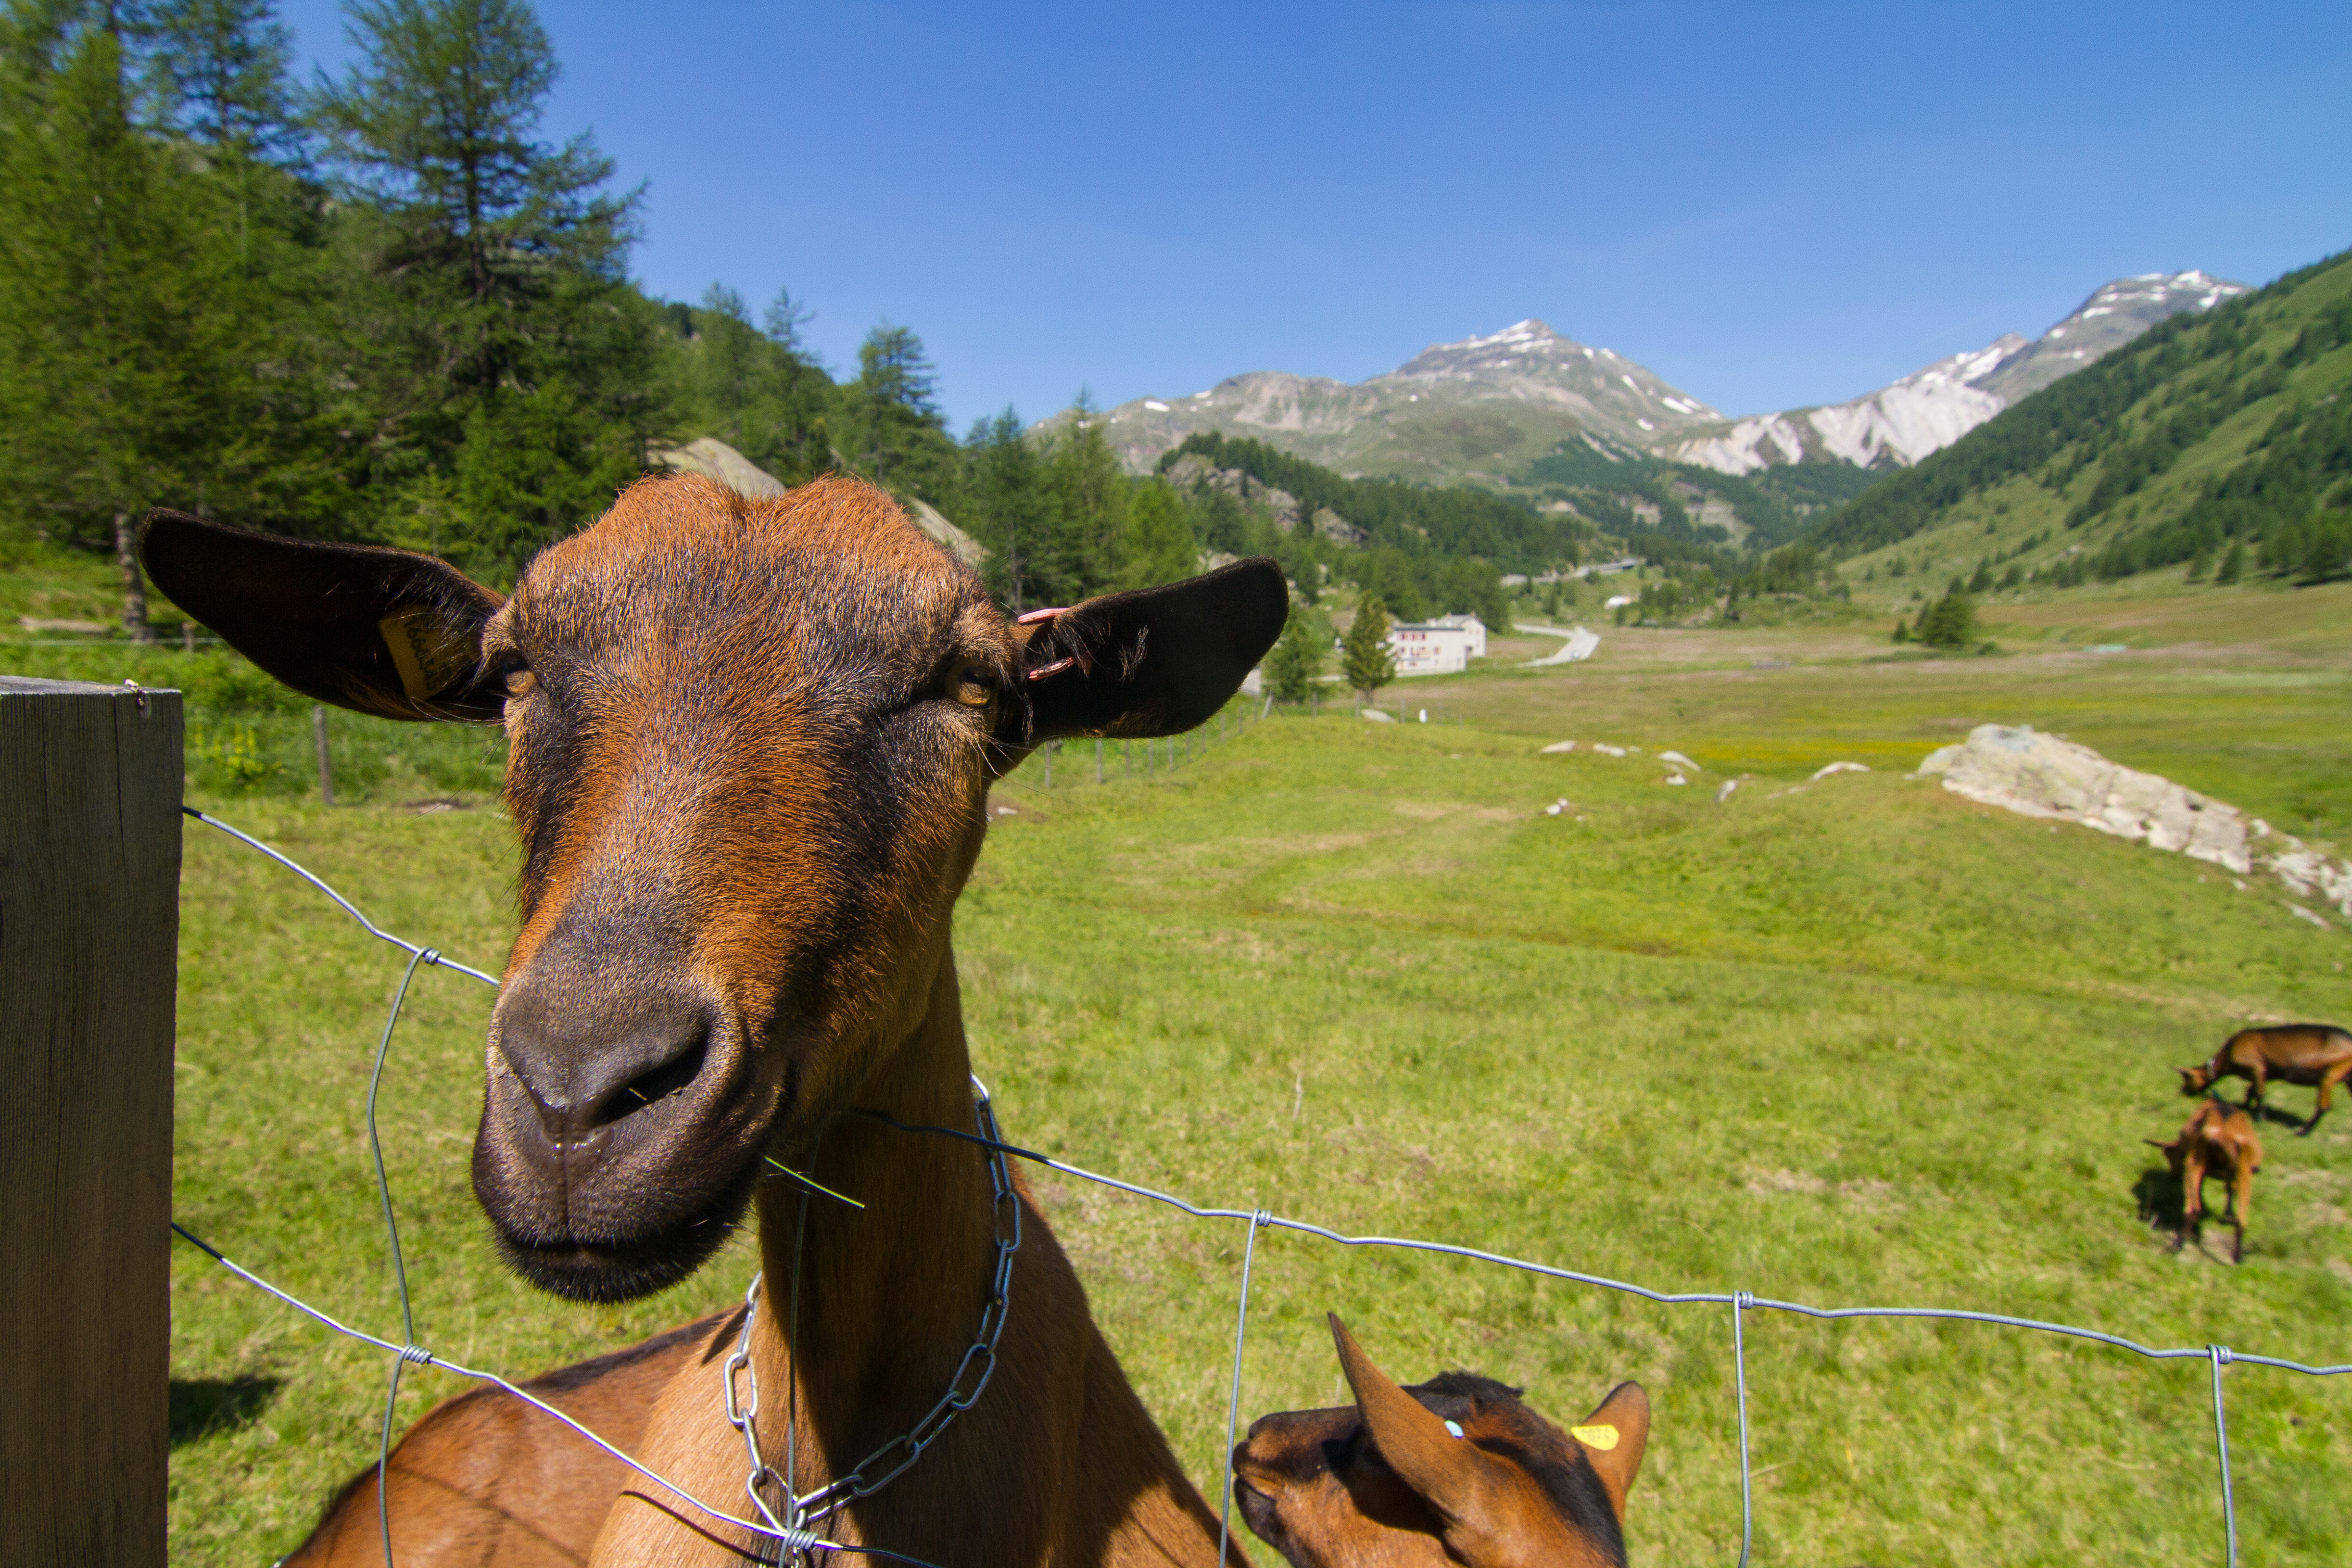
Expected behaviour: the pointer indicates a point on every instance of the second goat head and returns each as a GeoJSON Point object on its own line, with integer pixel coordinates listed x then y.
{"type": "Point", "coordinates": [1457, 1471]}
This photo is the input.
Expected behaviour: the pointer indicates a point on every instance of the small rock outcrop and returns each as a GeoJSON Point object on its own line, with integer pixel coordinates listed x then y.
{"type": "Point", "coordinates": [715, 460]}
{"type": "Point", "coordinates": [1192, 471]}
{"type": "Point", "coordinates": [2022, 770]}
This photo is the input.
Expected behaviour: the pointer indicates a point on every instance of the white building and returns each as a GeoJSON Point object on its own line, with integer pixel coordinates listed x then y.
{"type": "Point", "coordinates": [1442, 646]}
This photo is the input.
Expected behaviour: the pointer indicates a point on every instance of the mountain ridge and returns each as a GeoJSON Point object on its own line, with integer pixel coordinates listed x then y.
{"type": "Point", "coordinates": [1476, 409]}
{"type": "Point", "coordinates": [1485, 409]}
{"type": "Point", "coordinates": [1928, 410]}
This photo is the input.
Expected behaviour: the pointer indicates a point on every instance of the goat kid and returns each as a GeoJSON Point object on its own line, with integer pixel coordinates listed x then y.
{"type": "Point", "coordinates": [1457, 1471]}
{"type": "Point", "coordinates": [750, 744]}
{"type": "Point", "coordinates": [2218, 1141]}
{"type": "Point", "coordinates": [2313, 1053]}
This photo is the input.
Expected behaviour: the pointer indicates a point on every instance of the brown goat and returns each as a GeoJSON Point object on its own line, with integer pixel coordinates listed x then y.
{"type": "Point", "coordinates": [485, 1478]}
{"type": "Point", "coordinates": [2316, 1054]}
{"type": "Point", "coordinates": [2218, 1141]}
{"type": "Point", "coordinates": [749, 747]}
{"type": "Point", "coordinates": [1455, 1470]}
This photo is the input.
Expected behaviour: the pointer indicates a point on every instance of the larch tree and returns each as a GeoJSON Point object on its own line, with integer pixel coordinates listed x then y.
{"type": "Point", "coordinates": [508, 361]}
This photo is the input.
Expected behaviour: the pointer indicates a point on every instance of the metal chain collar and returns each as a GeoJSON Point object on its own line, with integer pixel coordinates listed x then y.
{"type": "Point", "coordinates": [794, 1532]}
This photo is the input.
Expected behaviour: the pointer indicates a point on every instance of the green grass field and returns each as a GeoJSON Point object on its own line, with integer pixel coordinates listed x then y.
{"type": "Point", "coordinates": [1852, 1042]}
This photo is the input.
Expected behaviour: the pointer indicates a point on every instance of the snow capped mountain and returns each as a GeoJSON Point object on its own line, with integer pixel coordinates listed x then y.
{"type": "Point", "coordinates": [1929, 409]}
{"type": "Point", "coordinates": [1476, 408]}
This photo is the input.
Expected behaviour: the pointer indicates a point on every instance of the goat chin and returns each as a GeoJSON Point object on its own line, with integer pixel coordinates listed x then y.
{"type": "Point", "coordinates": [607, 1273]}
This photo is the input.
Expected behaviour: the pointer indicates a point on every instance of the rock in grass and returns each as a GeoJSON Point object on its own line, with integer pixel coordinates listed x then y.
{"type": "Point", "coordinates": [2021, 770]}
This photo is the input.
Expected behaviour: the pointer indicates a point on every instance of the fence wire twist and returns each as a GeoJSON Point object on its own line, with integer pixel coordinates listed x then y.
{"type": "Point", "coordinates": [789, 1540]}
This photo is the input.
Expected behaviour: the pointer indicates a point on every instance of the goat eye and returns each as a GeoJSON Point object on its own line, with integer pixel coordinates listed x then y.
{"type": "Point", "coordinates": [974, 686]}
{"type": "Point", "coordinates": [512, 670]}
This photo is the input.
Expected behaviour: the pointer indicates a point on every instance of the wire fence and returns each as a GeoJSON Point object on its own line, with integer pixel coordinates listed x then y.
{"type": "Point", "coordinates": [788, 1539]}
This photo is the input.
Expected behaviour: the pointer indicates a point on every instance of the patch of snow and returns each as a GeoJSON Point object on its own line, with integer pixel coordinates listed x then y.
{"type": "Point", "coordinates": [1155, 406]}
{"type": "Point", "coordinates": [1608, 751]}
{"type": "Point", "coordinates": [1645, 424]}
{"type": "Point", "coordinates": [1680, 761]}
{"type": "Point", "coordinates": [1725, 793]}
{"type": "Point", "coordinates": [1376, 717]}
{"type": "Point", "coordinates": [1676, 779]}
{"type": "Point", "coordinates": [2297, 910]}
{"type": "Point", "coordinates": [1838, 768]}
{"type": "Point", "coordinates": [1558, 747]}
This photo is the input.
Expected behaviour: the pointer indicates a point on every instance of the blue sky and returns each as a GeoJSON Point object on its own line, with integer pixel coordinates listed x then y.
{"type": "Point", "coordinates": [1769, 205]}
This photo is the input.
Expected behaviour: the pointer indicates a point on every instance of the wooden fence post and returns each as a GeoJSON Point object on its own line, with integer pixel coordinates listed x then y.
{"type": "Point", "coordinates": [89, 881]}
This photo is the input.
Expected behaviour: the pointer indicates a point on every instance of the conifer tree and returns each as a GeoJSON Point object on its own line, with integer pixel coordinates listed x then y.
{"type": "Point", "coordinates": [114, 345]}
{"type": "Point", "coordinates": [1091, 550]}
{"type": "Point", "coordinates": [1009, 509]}
{"type": "Point", "coordinates": [1296, 659]}
{"type": "Point", "coordinates": [216, 71]}
{"type": "Point", "coordinates": [504, 358]}
{"type": "Point", "coordinates": [1365, 657]}
{"type": "Point", "coordinates": [1160, 545]}
{"type": "Point", "coordinates": [902, 439]}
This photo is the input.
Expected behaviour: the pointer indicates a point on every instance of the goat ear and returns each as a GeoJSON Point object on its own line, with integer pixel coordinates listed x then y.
{"type": "Point", "coordinates": [2191, 1079]}
{"type": "Point", "coordinates": [1453, 1476]}
{"type": "Point", "coordinates": [1155, 661]}
{"type": "Point", "coordinates": [387, 632]}
{"type": "Point", "coordinates": [1613, 1437]}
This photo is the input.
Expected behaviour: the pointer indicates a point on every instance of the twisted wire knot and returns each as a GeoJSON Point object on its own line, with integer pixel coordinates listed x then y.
{"type": "Point", "coordinates": [1262, 1219]}
{"type": "Point", "coordinates": [417, 1354]}
{"type": "Point", "coordinates": [2220, 1355]}
{"type": "Point", "coordinates": [1744, 1300]}
{"type": "Point", "coordinates": [428, 956]}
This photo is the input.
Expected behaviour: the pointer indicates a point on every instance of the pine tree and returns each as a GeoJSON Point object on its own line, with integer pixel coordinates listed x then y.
{"type": "Point", "coordinates": [902, 440]}
{"type": "Point", "coordinates": [114, 346]}
{"type": "Point", "coordinates": [2233, 564]}
{"type": "Point", "coordinates": [1008, 509]}
{"type": "Point", "coordinates": [216, 70]}
{"type": "Point", "coordinates": [502, 355]}
{"type": "Point", "coordinates": [808, 394]}
{"type": "Point", "coordinates": [1950, 622]}
{"type": "Point", "coordinates": [1092, 546]}
{"type": "Point", "coordinates": [1160, 545]}
{"type": "Point", "coordinates": [1366, 659]}
{"type": "Point", "coordinates": [1296, 659]}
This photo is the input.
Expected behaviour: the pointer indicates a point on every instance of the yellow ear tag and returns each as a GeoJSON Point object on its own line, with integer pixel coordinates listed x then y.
{"type": "Point", "coordinates": [427, 654]}
{"type": "Point", "coordinates": [1602, 1437]}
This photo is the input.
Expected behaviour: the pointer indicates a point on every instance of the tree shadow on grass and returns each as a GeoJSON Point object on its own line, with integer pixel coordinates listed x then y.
{"type": "Point", "coordinates": [208, 1406]}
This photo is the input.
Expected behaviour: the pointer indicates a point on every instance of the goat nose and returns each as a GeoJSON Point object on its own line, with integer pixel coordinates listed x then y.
{"type": "Point", "coordinates": [588, 1065]}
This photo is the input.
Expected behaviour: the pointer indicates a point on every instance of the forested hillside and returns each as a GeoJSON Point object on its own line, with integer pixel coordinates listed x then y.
{"type": "Point", "coordinates": [2223, 440]}
{"type": "Point", "coordinates": [1426, 550]}
{"type": "Point", "coordinates": [378, 309]}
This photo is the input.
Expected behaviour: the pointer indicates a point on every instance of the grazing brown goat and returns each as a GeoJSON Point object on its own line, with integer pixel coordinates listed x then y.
{"type": "Point", "coordinates": [750, 743]}
{"type": "Point", "coordinates": [1453, 1472]}
{"type": "Point", "coordinates": [2315, 1054]}
{"type": "Point", "coordinates": [2218, 1141]}
{"type": "Point", "coordinates": [485, 1478]}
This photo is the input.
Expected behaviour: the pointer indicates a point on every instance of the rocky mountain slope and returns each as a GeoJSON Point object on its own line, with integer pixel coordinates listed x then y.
{"type": "Point", "coordinates": [1476, 410]}
{"type": "Point", "coordinates": [1931, 408]}
{"type": "Point", "coordinates": [2222, 439]}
